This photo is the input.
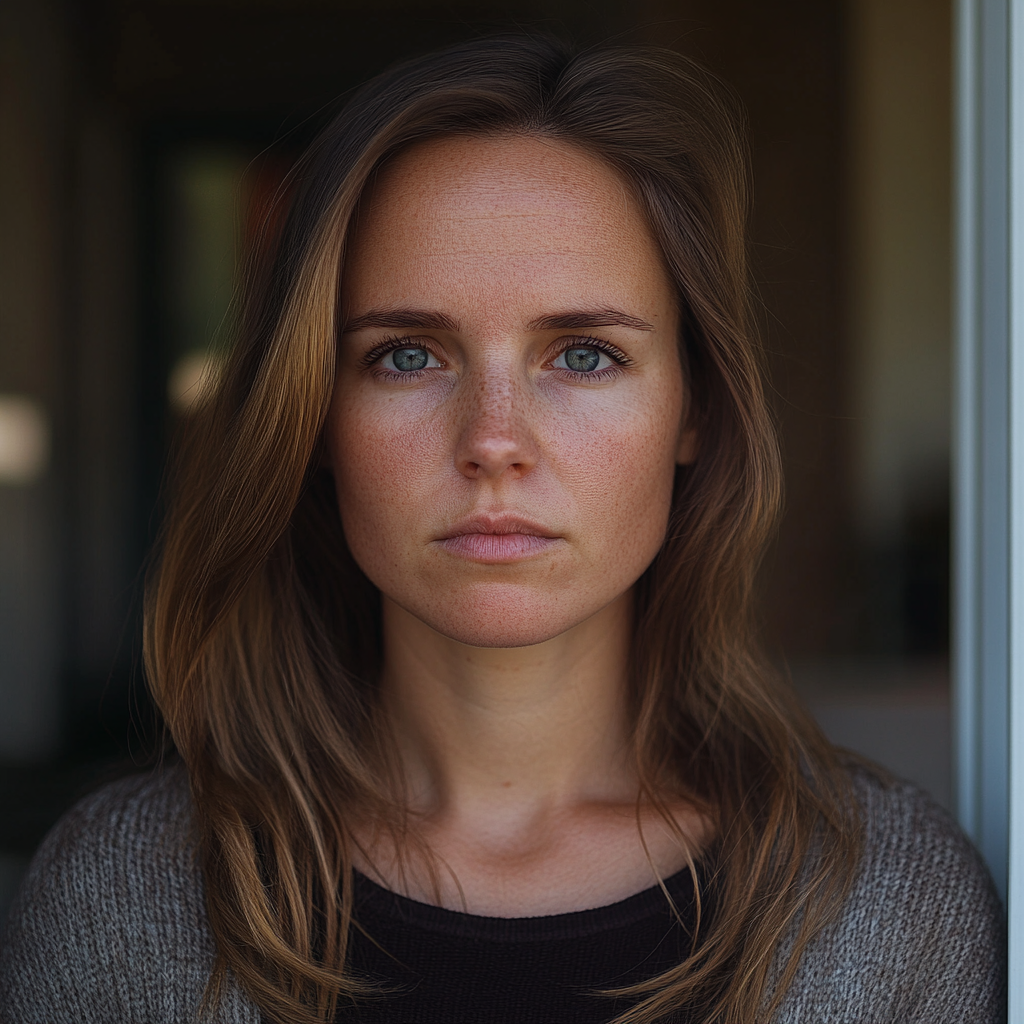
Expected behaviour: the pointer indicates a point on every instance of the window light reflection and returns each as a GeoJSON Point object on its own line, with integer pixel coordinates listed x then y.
{"type": "Point", "coordinates": [24, 440]}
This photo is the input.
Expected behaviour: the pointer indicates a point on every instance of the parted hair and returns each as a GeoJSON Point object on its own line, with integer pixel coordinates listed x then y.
{"type": "Point", "coordinates": [263, 640]}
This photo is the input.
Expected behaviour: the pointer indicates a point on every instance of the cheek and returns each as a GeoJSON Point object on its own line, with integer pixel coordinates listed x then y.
{"type": "Point", "coordinates": [621, 470]}
{"type": "Point", "coordinates": [382, 454]}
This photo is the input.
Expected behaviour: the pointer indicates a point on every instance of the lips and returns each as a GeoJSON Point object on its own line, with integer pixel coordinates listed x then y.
{"type": "Point", "coordinates": [497, 539]}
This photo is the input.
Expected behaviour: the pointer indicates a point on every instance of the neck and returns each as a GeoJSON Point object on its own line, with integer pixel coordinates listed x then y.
{"type": "Point", "coordinates": [527, 731]}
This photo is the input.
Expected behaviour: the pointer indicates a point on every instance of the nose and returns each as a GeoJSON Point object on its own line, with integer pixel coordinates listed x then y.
{"type": "Point", "coordinates": [496, 437]}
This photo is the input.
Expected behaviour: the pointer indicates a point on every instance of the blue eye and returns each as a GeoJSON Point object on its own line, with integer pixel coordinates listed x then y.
{"type": "Point", "coordinates": [583, 360]}
{"type": "Point", "coordinates": [408, 360]}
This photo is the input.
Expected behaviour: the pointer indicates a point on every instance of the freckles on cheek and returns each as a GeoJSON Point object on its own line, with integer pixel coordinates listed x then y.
{"type": "Point", "coordinates": [379, 455]}
{"type": "Point", "coordinates": [624, 476]}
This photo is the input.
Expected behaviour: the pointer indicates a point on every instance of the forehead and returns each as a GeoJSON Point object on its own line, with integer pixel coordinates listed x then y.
{"type": "Point", "coordinates": [506, 213]}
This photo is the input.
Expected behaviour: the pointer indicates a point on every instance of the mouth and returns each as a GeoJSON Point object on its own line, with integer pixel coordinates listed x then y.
{"type": "Point", "coordinates": [498, 539]}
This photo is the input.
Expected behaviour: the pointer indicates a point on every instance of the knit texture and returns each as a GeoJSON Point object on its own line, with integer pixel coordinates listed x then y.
{"type": "Point", "coordinates": [110, 926]}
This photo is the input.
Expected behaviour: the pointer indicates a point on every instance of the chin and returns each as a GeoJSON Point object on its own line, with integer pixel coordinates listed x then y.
{"type": "Point", "coordinates": [495, 636]}
{"type": "Point", "coordinates": [502, 620]}
{"type": "Point", "coordinates": [484, 631]}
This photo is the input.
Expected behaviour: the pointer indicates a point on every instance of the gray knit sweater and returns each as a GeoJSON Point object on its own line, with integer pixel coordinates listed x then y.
{"type": "Point", "coordinates": [109, 927]}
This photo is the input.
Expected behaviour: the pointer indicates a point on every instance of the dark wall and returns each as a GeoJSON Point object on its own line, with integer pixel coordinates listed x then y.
{"type": "Point", "coordinates": [786, 61]}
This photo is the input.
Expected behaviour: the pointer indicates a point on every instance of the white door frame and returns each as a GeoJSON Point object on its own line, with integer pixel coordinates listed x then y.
{"type": "Point", "coordinates": [988, 448]}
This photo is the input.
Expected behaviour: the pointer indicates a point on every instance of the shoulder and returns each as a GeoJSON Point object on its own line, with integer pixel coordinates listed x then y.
{"type": "Point", "coordinates": [920, 936]}
{"type": "Point", "coordinates": [110, 922]}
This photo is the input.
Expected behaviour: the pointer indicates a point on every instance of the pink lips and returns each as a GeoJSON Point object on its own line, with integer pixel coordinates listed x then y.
{"type": "Point", "coordinates": [497, 539]}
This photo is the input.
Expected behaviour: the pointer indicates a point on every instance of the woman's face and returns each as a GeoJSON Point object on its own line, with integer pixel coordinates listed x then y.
{"type": "Point", "coordinates": [509, 406]}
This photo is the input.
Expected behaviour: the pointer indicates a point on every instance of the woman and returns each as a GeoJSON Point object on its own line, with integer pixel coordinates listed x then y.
{"type": "Point", "coordinates": [451, 623]}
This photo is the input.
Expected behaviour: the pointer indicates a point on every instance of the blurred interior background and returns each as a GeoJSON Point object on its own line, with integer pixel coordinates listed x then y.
{"type": "Point", "coordinates": [142, 138]}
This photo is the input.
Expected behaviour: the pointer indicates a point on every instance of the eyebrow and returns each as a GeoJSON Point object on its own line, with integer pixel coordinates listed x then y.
{"type": "Point", "coordinates": [584, 318]}
{"type": "Point", "coordinates": [401, 318]}
{"type": "Point", "coordinates": [572, 320]}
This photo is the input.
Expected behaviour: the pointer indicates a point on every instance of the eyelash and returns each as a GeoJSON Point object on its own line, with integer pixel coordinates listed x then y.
{"type": "Point", "coordinates": [392, 342]}
{"type": "Point", "coordinates": [389, 344]}
{"type": "Point", "coordinates": [612, 351]}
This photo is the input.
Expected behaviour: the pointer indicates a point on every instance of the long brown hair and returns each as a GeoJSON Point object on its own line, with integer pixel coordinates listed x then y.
{"type": "Point", "coordinates": [263, 637]}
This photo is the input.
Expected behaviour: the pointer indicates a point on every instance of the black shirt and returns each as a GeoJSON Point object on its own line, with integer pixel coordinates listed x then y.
{"type": "Point", "coordinates": [445, 967]}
